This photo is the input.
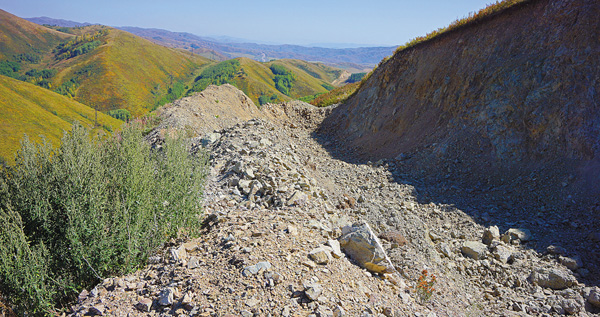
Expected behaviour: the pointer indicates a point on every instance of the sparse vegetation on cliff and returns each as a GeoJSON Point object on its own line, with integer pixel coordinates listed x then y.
{"type": "Point", "coordinates": [472, 18]}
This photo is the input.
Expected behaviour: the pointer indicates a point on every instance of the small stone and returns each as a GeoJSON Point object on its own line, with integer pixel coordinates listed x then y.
{"type": "Point", "coordinates": [522, 234]}
{"type": "Point", "coordinates": [594, 296]}
{"type": "Point", "coordinates": [570, 306]}
{"type": "Point", "coordinates": [252, 302]}
{"type": "Point", "coordinates": [97, 310]}
{"type": "Point", "coordinates": [553, 249]}
{"type": "Point", "coordinates": [144, 305]}
{"type": "Point", "coordinates": [394, 236]}
{"type": "Point", "coordinates": [310, 264]}
{"type": "Point", "coordinates": [445, 249]}
{"type": "Point", "coordinates": [474, 249]}
{"type": "Point", "coordinates": [434, 237]}
{"type": "Point", "coordinates": [246, 313]}
{"type": "Point", "coordinates": [388, 311]}
{"type": "Point", "coordinates": [313, 291]}
{"type": "Point", "coordinates": [502, 254]}
{"type": "Point", "coordinates": [165, 298]}
{"type": "Point", "coordinates": [320, 255]}
{"type": "Point", "coordinates": [490, 234]}
{"type": "Point", "coordinates": [573, 263]}
{"type": "Point", "coordinates": [338, 311]}
{"type": "Point", "coordinates": [254, 269]}
{"type": "Point", "coordinates": [292, 230]}
{"type": "Point", "coordinates": [193, 263]}
{"type": "Point", "coordinates": [83, 295]}
{"type": "Point", "coordinates": [298, 198]}
{"type": "Point", "coordinates": [335, 246]}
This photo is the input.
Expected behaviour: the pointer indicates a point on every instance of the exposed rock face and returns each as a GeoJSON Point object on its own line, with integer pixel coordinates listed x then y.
{"type": "Point", "coordinates": [502, 115]}
{"type": "Point", "coordinates": [515, 91]}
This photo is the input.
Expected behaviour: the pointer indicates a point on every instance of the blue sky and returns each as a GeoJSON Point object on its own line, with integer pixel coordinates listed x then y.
{"type": "Point", "coordinates": [371, 22]}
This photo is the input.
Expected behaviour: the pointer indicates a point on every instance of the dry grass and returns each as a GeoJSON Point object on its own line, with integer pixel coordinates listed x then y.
{"type": "Point", "coordinates": [472, 18]}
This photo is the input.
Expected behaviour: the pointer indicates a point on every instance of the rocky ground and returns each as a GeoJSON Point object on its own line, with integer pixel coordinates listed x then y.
{"type": "Point", "coordinates": [278, 203]}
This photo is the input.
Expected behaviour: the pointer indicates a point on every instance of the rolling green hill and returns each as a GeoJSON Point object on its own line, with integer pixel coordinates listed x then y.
{"type": "Point", "coordinates": [275, 81]}
{"type": "Point", "coordinates": [126, 72]}
{"type": "Point", "coordinates": [32, 110]}
{"type": "Point", "coordinates": [19, 36]}
{"type": "Point", "coordinates": [99, 66]}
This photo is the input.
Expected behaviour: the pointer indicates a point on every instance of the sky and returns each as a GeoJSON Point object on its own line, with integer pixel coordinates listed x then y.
{"type": "Point", "coordinates": [307, 22]}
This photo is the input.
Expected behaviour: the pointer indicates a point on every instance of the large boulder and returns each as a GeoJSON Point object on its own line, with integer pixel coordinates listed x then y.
{"type": "Point", "coordinates": [475, 250]}
{"type": "Point", "coordinates": [552, 278]}
{"type": "Point", "coordinates": [362, 245]}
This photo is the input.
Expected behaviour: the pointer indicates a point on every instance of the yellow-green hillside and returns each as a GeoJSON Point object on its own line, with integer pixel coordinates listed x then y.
{"type": "Point", "coordinates": [32, 110]}
{"type": "Point", "coordinates": [274, 81]}
{"type": "Point", "coordinates": [19, 36]}
{"type": "Point", "coordinates": [126, 72]}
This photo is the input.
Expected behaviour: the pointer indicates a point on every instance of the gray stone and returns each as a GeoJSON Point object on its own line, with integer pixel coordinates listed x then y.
{"type": "Point", "coordinates": [490, 234]}
{"type": "Point", "coordinates": [552, 278]}
{"type": "Point", "coordinates": [193, 263]}
{"type": "Point", "coordinates": [502, 253]}
{"type": "Point", "coordinates": [570, 306]}
{"type": "Point", "coordinates": [335, 246]}
{"type": "Point", "coordinates": [362, 245]}
{"type": "Point", "coordinates": [209, 139]}
{"type": "Point", "coordinates": [97, 310]}
{"type": "Point", "coordinates": [594, 296]}
{"type": "Point", "coordinates": [178, 254]}
{"type": "Point", "coordinates": [522, 234]}
{"type": "Point", "coordinates": [320, 255]}
{"type": "Point", "coordinates": [165, 298]}
{"type": "Point", "coordinates": [313, 291]}
{"type": "Point", "coordinates": [445, 249]}
{"type": "Point", "coordinates": [298, 198]}
{"type": "Point", "coordinates": [553, 249]}
{"type": "Point", "coordinates": [474, 249]}
{"type": "Point", "coordinates": [144, 305]}
{"type": "Point", "coordinates": [256, 268]}
{"type": "Point", "coordinates": [573, 263]}
{"type": "Point", "coordinates": [339, 311]}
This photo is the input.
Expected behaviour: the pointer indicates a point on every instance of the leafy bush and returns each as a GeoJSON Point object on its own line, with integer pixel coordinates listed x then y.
{"type": "Point", "coordinates": [356, 77]}
{"type": "Point", "coordinates": [92, 208]}
{"type": "Point", "coordinates": [121, 114]}
{"type": "Point", "coordinates": [263, 99]}
{"type": "Point", "coordinates": [219, 74]}
{"type": "Point", "coordinates": [284, 79]}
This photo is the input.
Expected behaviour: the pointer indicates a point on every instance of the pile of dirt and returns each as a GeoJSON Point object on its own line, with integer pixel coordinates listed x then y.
{"type": "Point", "coordinates": [276, 197]}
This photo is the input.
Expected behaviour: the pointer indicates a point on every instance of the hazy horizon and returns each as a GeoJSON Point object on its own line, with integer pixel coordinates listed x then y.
{"type": "Point", "coordinates": [309, 23]}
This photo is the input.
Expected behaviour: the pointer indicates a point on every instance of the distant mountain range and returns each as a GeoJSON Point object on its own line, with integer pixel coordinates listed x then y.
{"type": "Point", "coordinates": [353, 59]}
{"type": "Point", "coordinates": [57, 22]}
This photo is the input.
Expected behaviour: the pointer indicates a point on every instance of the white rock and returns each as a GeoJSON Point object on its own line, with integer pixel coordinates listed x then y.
{"type": "Point", "coordinates": [362, 245]}
{"type": "Point", "coordinates": [335, 246]}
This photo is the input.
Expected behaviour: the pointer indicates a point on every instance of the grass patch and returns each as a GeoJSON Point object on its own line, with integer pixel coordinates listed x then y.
{"type": "Point", "coordinates": [92, 208]}
{"type": "Point", "coordinates": [337, 95]}
{"type": "Point", "coordinates": [472, 18]}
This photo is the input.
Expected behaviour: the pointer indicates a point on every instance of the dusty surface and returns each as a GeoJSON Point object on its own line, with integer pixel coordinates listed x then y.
{"type": "Point", "coordinates": [500, 119]}
{"type": "Point", "coordinates": [275, 194]}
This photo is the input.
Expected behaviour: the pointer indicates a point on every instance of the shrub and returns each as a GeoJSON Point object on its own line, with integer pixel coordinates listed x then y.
{"type": "Point", "coordinates": [92, 208]}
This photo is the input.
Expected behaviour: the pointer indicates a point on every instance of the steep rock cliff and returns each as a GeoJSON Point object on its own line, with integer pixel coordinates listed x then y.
{"type": "Point", "coordinates": [512, 99]}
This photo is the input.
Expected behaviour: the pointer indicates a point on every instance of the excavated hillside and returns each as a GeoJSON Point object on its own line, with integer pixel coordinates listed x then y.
{"type": "Point", "coordinates": [500, 117]}
{"type": "Point", "coordinates": [279, 203]}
